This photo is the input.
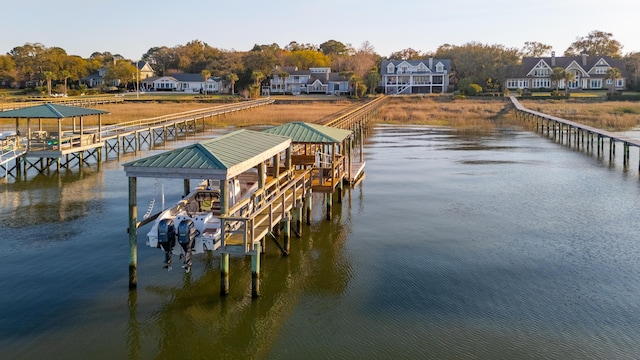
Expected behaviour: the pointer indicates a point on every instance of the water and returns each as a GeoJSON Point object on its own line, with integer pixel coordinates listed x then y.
{"type": "Point", "coordinates": [505, 245]}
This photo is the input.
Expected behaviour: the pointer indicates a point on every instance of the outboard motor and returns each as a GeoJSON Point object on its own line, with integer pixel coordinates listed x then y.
{"type": "Point", "coordinates": [167, 240]}
{"type": "Point", "coordinates": [187, 238]}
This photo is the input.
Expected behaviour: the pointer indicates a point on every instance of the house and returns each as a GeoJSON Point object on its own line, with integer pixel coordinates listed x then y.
{"type": "Point", "coordinates": [184, 82]}
{"type": "Point", "coordinates": [145, 71]}
{"type": "Point", "coordinates": [415, 76]}
{"type": "Point", "coordinates": [589, 73]}
{"type": "Point", "coordinates": [317, 80]}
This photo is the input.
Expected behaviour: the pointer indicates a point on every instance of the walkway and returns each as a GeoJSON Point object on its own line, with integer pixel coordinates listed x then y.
{"type": "Point", "coordinates": [557, 127]}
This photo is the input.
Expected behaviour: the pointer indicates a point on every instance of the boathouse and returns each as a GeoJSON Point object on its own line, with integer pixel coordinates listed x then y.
{"type": "Point", "coordinates": [224, 158]}
{"type": "Point", "coordinates": [49, 137]}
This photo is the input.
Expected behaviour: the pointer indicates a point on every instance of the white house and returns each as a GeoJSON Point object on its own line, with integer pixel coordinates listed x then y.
{"type": "Point", "coordinates": [588, 71]}
{"type": "Point", "coordinates": [415, 76]}
{"type": "Point", "coordinates": [318, 80]}
{"type": "Point", "coordinates": [193, 83]}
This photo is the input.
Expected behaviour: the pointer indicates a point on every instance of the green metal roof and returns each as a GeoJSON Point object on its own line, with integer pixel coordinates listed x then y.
{"type": "Point", "coordinates": [301, 132]}
{"type": "Point", "coordinates": [50, 111]}
{"type": "Point", "coordinates": [220, 158]}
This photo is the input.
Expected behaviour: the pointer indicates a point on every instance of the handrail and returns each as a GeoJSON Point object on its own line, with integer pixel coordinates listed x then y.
{"type": "Point", "coordinates": [143, 123]}
{"type": "Point", "coordinates": [366, 108]}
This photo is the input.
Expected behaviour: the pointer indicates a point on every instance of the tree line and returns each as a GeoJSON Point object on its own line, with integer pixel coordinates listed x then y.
{"type": "Point", "coordinates": [485, 64]}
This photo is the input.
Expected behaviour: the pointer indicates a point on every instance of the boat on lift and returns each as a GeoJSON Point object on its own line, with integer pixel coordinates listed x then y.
{"type": "Point", "coordinates": [194, 220]}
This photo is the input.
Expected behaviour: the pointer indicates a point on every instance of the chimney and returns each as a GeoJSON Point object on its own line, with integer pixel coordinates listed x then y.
{"type": "Point", "coordinates": [584, 58]}
{"type": "Point", "coordinates": [430, 63]}
{"type": "Point", "coordinates": [553, 59]}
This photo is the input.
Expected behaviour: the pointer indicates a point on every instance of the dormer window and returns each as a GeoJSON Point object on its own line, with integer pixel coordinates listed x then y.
{"type": "Point", "coordinates": [439, 67]}
{"type": "Point", "coordinates": [390, 69]}
{"type": "Point", "coordinates": [422, 68]}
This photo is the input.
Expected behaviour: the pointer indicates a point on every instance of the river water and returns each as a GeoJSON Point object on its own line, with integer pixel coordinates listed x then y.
{"type": "Point", "coordinates": [505, 245]}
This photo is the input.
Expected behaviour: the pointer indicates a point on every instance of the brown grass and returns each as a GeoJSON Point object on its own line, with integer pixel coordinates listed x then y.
{"type": "Point", "coordinates": [464, 115]}
{"type": "Point", "coordinates": [310, 111]}
{"type": "Point", "coordinates": [607, 115]}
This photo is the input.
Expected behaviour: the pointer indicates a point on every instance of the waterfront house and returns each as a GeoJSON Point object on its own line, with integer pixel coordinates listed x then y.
{"type": "Point", "coordinates": [97, 78]}
{"type": "Point", "coordinates": [318, 80]}
{"type": "Point", "coordinates": [184, 82]}
{"type": "Point", "coordinates": [589, 73]}
{"type": "Point", "coordinates": [415, 76]}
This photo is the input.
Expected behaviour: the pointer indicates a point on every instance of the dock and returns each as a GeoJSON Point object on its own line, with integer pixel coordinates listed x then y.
{"type": "Point", "coordinates": [576, 134]}
{"type": "Point", "coordinates": [292, 162]}
{"type": "Point", "coordinates": [56, 136]}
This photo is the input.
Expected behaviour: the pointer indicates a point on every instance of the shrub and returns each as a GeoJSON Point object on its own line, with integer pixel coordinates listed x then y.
{"type": "Point", "coordinates": [474, 89]}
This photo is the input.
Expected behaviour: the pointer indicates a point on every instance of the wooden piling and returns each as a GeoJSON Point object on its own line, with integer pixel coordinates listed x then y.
{"type": "Point", "coordinates": [255, 274]}
{"type": "Point", "coordinates": [308, 205]}
{"type": "Point", "coordinates": [133, 233]}
{"type": "Point", "coordinates": [224, 273]}
{"type": "Point", "coordinates": [329, 200]}
{"type": "Point", "coordinates": [286, 233]}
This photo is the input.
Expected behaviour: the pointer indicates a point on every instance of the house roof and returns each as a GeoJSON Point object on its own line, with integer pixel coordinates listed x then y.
{"type": "Point", "coordinates": [445, 62]}
{"type": "Point", "coordinates": [184, 77]}
{"type": "Point", "coordinates": [221, 158]}
{"type": "Point", "coordinates": [564, 62]}
{"type": "Point", "coordinates": [50, 111]}
{"type": "Point", "coordinates": [301, 132]}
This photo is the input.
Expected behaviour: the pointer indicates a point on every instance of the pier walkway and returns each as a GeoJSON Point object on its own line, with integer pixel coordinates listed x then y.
{"type": "Point", "coordinates": [577, 134]}
{"type": "Point", "coordinates": [82, 102]}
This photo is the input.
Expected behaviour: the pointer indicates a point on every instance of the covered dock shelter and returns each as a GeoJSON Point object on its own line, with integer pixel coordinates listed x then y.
{"type": "Point", "coordinates": [223, 159]}
{"type": "Point", "coordinates": [49, 138]}
{"type": "Point", "coordinates": [324, 148]}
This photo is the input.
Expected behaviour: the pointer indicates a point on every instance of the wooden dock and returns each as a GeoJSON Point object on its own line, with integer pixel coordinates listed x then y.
{"type": "Point", "coordinates": [316, 158]}
{"type": "Point", "coordinates": [576, 134]}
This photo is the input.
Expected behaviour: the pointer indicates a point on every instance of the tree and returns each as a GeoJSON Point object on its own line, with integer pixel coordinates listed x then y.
{"type": "Point", "coordinates": [284, 75]}
{"type": "Point", "coordinates": [557, 75]}
{"type": "Point", "coordinates": [333, 47]}
{"type": "Point", "coordinates": [48, 75]}
{"type": "Point", "coordinates": [372, 80]}
{"type": "Point", "coordinates": [596, 43]}
{"type": "Point", "coordinates": [407, 54]}
{"type": "Point", "coordinates": [568, 77]}
{"type": "Point", "coordinates": [232, 78]}
{"type": "Point", "coordinates": [205, 75]}
{"type": "Point", "coordinates": [612, 75]}
{"type": "Point", "coordinates": [479, 62]}
{"type": "Point", "coordinates": [121, 72]}
{"type": "Point", "coordinates": [305, 59]}
{"type": "Point", "coordinates": [535, 49]}
{"type": "Point", "coordinates": [7, 67]}
{"type": "Point", "coordinates": [632, 64]}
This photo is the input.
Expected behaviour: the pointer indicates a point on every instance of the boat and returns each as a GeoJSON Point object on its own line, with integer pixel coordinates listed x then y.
{"type": "Point", "coordinates": [194, 220]}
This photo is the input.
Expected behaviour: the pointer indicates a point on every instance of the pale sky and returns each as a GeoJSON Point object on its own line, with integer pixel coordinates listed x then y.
{"type": "Point", "coordinates": [130, 28]}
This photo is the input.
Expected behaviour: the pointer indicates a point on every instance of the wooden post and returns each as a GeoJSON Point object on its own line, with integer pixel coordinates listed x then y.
{"type": "Point", "coordinates": [261, 175]}
{"type": "Point", "coordinates": [308, 205]}
{"type": "Point", "coordinates": [187, 187]}
{"type": "Point", "coordinates": [297, 218]}
{"type": "Point", "coordinates": [133, 233]}
{"type": "Point", "coordinates": [224, 196]}
{"type": "Point", "coordinates": [329, 200]}
{"type": "Point", "coordinates": [224, 273]}
{"type": "Point", "coordinates": [255, 274]}
{"type": "Point", "coordinates": [361, 144]}
{"type": "Point", "coordinates": [286, 233]}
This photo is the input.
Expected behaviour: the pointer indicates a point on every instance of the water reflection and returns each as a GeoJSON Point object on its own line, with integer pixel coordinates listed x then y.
{"type": "Point", "coordinates": [194, 320]}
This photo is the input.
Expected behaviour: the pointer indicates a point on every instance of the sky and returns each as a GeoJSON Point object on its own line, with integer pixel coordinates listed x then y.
{"type": "Point", "coordinates": [131, 28]}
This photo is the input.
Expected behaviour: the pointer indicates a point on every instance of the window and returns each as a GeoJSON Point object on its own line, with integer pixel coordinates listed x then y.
{"type": "Point", "coordinates": [619, 82]}
{"type": "Point", "coordinates": [596, 84]}
{"type": "Point", "coordinates": [390, 68]}
{"type": "Point", "coordinates": [601, 70]}
{"type": "Point", "coordinates": [439, 67]}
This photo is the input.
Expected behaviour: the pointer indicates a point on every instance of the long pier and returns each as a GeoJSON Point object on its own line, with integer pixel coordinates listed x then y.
{"type": "Point", "coordinates": [82, 102]}
{"type": "Point", "coordinates": [577, 134]}
{"type": "Point", "coordinates": [75, 145]}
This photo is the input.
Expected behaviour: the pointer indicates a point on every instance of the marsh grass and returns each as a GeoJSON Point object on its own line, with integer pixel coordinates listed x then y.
{"type": "Point", "coordinates": [275, 114]}
{"type": "Point", "coordinates": [607, 115]}
{"type": "Point", "coordinates": [465, 115]}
